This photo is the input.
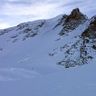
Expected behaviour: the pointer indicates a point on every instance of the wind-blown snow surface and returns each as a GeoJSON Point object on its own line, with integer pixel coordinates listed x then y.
{"type": "Point", "coordinates": [71, 82]}
{"type": "Point", "coordinates": [28, 56]}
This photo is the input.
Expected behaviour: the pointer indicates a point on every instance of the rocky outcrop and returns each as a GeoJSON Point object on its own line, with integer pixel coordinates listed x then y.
{"type": "Point", "coordinates": [75, 15]}
{"type": "Point", "coordinates": [90, 32]}
{"type": "Point", "coordinates": [73, 21]}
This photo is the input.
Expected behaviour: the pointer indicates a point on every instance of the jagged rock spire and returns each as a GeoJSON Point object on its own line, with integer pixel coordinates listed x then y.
{"type": "Point", "coordinates": [75, 15]}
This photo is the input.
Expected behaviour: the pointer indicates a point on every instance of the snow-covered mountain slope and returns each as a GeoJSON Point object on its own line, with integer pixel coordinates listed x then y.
{"type": "Point", "coordinates": [33, 53]}
{"type": "Point", "coordinates": [60, 39]}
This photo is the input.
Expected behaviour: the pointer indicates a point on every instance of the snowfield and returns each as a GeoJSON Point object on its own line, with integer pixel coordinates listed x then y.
{"type": "Point", "coordinates": [79, 81]}
{"type": "Point", "coordinates": [54, 57]}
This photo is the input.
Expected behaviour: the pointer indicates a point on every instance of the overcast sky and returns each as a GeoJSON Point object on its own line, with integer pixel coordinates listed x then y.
{"type": "Point", "coordinates": [13, 12]}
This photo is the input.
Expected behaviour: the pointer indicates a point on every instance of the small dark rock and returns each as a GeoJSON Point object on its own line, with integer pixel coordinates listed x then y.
{"type": "Point", "coordinates": [94, 47]}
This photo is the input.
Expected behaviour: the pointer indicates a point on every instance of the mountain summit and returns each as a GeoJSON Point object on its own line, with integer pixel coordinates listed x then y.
{"type": "Point", "coordinates": [75, 15]}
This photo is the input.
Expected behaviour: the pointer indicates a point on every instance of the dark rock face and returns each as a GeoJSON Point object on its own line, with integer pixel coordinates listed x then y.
{"type": "Point", "coordinates": [90, 32]}
{"type": "Point", "coordinates": [73, 21]}
{"type": "Point", "coordinates": [93, 22]}
{"type": "Point", "coordinates": [75, 15]}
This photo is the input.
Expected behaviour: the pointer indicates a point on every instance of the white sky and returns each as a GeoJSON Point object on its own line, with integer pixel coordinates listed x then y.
{"type": "Point", "coordinates": [13, 12]}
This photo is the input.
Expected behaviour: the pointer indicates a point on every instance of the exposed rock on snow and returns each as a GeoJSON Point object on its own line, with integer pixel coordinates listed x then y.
{"type": "Point", "coordinates": [75, 15]}
{"type": "Point", "coordinates": [73, 21]}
